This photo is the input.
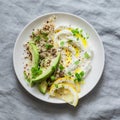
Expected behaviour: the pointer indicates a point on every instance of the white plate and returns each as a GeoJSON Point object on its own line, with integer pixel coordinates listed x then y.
{"type": "Point", "coordinates": [62, 19]}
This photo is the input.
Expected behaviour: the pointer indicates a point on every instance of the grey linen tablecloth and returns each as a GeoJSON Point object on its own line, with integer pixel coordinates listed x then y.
{"type": "Point", "coordinates": [103, 103]}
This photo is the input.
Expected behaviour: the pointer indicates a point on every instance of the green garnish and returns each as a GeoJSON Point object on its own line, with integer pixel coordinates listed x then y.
{"type": "Point", "coordinates": [52, 78]}
{"type": "Point", "coordinates": [77, 62]}
{"type": "Point", "coordinates": [62, 43]}
{"type": "Point", "coordinates": [75, 31]}
{"type": "Point", "coordinates": [35, 71]}
{"type": "Point", "coordinates": [48, 46]}
{"type": "Point", "coordinates": [82, 73]}
{"type": "Point", "coordinates": [86, 55]}
{"type": "Point", "coordinates": [53, 68]}
{"type": "Point", "coordinates": [61, 67]}
{"type": "Point", "coordinates": [44, 35]}
{"type": "Point", "coordinates": [79, 76]}
{"type": "Point", "coordinates": [69, 73]}
{"type": "Point", "coordinates": [37, 38]}
{"type": "Point", "coordinates": [56, 85]}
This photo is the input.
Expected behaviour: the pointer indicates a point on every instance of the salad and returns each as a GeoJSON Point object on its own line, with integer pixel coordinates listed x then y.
{"type": "Point", "coordinates": [57, 60]}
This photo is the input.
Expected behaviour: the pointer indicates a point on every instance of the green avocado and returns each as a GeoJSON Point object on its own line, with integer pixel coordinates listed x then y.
{"type": "Point", "coordinates": [35, 54]}
{"type": "Point", "coordinates": [43, 87]}
{"type": "Point", "coordinates": [35, 60]}
{"type": "Point", "coordinates": [46, 72]}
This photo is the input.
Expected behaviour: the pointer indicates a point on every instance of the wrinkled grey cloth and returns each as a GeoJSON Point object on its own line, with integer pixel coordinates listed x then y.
{"type": "Point", "coordinates": [103, 103]}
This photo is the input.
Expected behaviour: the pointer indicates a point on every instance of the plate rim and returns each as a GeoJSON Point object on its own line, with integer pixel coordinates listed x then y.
{"type": "Point", "coordinates": [65, 13]}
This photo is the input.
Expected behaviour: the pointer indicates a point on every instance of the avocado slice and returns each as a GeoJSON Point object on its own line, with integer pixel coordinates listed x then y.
{"type": "Point", "coordinates": [43, 87]}
{"type": "Point", "coordinates": [35, 54]}
{"type": "Point", "coordinates": [46, 72]}
{"type": "Point", "coordinates": [35, 59]}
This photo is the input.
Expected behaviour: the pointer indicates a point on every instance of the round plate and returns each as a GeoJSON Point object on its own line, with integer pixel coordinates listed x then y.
{"type": "Point", "coordinates": [62, 19]}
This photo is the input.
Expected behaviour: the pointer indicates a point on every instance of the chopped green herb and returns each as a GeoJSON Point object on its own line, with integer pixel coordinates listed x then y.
{"type": "Point", "coordinates": [79, 76]}
{"type": "Point", "coordinates": [45, 34]}
{"type": "Point", "coordinates": [48, 46]}
{"type": "Point", "coordinates": [61, 67]}
{"type": "Point", "coordinates": [35, 71]}
{"type": "Point", "coordinates": [86, 55]}
{"type": "Point", "coordinates": [69, 73]}
{"type": "Point", "coordinates": [82, 73]}
{"type": "Point", "coordinates": [75, 31]}
{"type": "Point", "coordinates": [37, 38]}
{"type": "Point", "coordinates": [77, 39]}
{"type": "Point", "coordinates": [77, 62]}
{"type": "Point", "coordinates": [52, 78]}
{"type": "Point", "coordinates": [62, 43]}
{"type": "Point", "coordinates": [56, 85]}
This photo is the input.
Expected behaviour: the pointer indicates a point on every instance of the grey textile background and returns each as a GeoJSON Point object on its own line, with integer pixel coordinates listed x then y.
{"type": "Point", "coordinates": [103, 103]}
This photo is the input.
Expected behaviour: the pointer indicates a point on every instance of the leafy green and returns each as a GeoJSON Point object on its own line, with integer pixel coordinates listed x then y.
{"type": "Point", "coordinates": [86, 55]}
{"type": "Point", "coordinates": [48, 46]}
{"type": "Point", "coordinates": [35, 71]}
{"type": "Point", "coordinates": [79, 76]}
{"type": "Point", "coordinates": [61, 67]}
